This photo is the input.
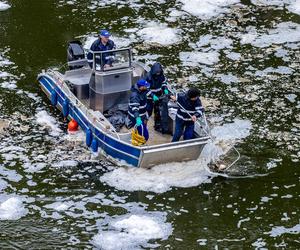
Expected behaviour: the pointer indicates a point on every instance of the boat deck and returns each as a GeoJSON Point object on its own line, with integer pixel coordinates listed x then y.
{"type": "Point", "coordinates": [155, 137]}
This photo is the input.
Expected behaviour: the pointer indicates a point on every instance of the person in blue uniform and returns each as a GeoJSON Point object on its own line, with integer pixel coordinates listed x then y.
{"type": "Point", "coordinates": [189, 110]}
{"type": "Point", "coordinates": [137, 112]}
{"type": "Point", "coordinates": [155, 101]}
{"type": "Point", "coordinates": [103, 43]}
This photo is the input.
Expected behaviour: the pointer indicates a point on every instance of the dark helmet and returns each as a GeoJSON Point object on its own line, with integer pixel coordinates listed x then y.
{"type": "Point", "coordinates": [156, 69]}
{"type": "Point", "coordinates": [193, 92]}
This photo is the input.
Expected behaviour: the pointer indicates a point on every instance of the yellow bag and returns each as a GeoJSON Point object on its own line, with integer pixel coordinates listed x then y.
{"type": "Point", "coordinates": [136, 138]}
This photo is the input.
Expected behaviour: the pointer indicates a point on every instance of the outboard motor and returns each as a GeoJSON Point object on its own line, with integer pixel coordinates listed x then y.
{"type": "Point", "coordinates": [75, 52]}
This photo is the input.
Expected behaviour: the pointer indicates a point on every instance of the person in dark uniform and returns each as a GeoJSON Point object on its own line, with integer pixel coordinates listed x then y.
{"type": "Point", "coordinates": [157, 97]}
{"type": "Point", "coordinates": [103, 43]}
{"type": "Point", "coordinates": [137, 112]}
{"type": "Point", "coordinates": [189, 110]}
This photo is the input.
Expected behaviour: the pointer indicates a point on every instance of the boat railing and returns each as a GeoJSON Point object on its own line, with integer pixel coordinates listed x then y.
{"type": "Point", "coordinates": [98, 118]}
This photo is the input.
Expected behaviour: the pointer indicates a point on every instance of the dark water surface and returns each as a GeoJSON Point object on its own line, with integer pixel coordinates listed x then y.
{"type": "Point", "coordinates": [243, 55]}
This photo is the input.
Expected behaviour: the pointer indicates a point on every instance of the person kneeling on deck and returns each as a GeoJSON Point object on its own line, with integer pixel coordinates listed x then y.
{"type": "Point", "coordinates": [189, 110]}
{"type": "Point", "coordinates": [158, 97]}
{"type": "Point", "coordinates": [137, 112]}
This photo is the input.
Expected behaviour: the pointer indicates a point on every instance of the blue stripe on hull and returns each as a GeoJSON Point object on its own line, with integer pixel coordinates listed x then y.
{"type": "Point", "coordinates": [111, 146]}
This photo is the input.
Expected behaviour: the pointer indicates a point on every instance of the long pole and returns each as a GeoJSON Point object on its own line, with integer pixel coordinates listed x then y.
{"type": "Point", "coordinates": [209, 134]}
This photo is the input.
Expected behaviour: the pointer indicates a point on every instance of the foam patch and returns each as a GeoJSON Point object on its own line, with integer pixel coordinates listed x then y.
{"type": "Point", "coordinates": [44, 119]}
{"type": "Point", "coordinates": [12, 209]}
{"type": "Point", "coordinates": [280, 230]}
{"type": "Point", "coordinates": [4, 6]}
{"type": "Point", "coordinates": [133, 232]}
{"type": "Point", "coordinates": [162, 178]}
{"type": "Point", "coordinates": [195, 58]}
{"type": "Point", "coordinates": [159, 33]}
{"type": "Point", "coordinates": [295, 7]}
{"type": "Point", "coordinates": [206, 9]}
{"type": "Point", "coordinates": [284, 32]}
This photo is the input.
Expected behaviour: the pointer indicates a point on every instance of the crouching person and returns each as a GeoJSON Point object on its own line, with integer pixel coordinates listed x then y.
{"type": "Point", "coordinates": [189, 110]}
{"type": "Point", "coordinates": [137, 112]}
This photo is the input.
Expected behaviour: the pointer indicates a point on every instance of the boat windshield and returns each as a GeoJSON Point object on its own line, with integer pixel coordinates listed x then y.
{"type": "Point", "coordinates": [112, 59]}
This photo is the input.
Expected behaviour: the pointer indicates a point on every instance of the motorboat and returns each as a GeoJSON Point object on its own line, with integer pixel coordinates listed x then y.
{"type": "Point", "coordinates": [87, 94]}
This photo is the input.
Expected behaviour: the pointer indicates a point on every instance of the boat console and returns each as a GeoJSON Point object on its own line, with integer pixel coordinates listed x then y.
{"type": "Point", "coordinates": [111, 80]}
{"type": "Point", "coordinates": [108, 82]}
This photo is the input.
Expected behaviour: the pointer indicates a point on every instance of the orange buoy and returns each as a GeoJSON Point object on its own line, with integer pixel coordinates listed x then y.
{"type": "Point", "coordinates": [72, 126]}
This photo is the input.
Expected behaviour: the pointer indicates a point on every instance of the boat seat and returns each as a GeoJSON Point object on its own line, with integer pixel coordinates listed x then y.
{"type": "Point", "coordinates": [78, 76]}
{"type": "Point", "coordinates": [78, 80]}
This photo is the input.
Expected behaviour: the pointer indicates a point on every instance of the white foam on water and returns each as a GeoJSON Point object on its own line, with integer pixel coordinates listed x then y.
{"type": "Point", "coordinates": [284, 32]}
{"type": "Point", "coordinates": [224, 137]}
{"type": "Point", "coordinates": [78, 136]}
{"type": "Point", "coordinates": [3, 60]}
{"type": "Point", "coordinates": [74, 240]}
{"type": "Point", "coordinates": [159, 33]}
{"type": "Point", "coordinates": [207, 50]}
{"type": "Point", "coordinates": [71, 2]}
{"type": "Point", "coordinates": [195, 58]}
{"type": "Point", "coordinates": [162, 178]}
{"type": "Point", "coordinates": [66, 163]}
{"type": "Point", "coordinates": [7, 80]}
{"type": "Point", "coordinates": [159, 179]}
{"type": "Point", "coordinates": [34, 167]}
{"type": "Point", "coordinates": [60, 206]}
{"type": "Point", "coordinates": [3, 184]}
{"type": "Point", "coordinates": [280, 230]}
{"type": "Point", "coordinates": [234, 56]}
{"type": "Point", "coordinates": [174, 15]}
{"type": "Point", "coordinates": [95, 4]}
{"type": "Point", "coordinates": [295, 7]}
{"type": "Point", "coordinates": [12, 209]}
{"type": "Point", "coordinates": [4, 75]}
{"type": "Point", "coordinates": [291, 5]}
{"type": "Point", "coordinates": [88, 40]}
{"type": "Point", "coordinates": [8, 85]}
{"type": "Point", "coordinates": [9, 174]}
{"type": "Point", "coordinates": [291, 97]}
{"type": "Point", "coordinates": [228, 78]}
{"type": "Point", "coordinates": [206, 9]}
{"type": "Point", "coordinates": [4, 6]}
{"type": "Point", "coordinates": [34, 97]}
{"type": "Point", "coordinates": [45, 120]}
{"type": "Point", "coordinates": [12, 149]}
{"type": "Point", "coordinates": [282, 53]}
{"type": "Point", "coordinates": [214, 42]}
{"type": "Point", "coordinates": [133, 232]}
{"type": "Point", "coordinates": [259, 243]}
{"type": "Point", "coordinates": [280, 70]}
{"type": "Point", "coordinates": [269, 2]}
{"type": "Point", "coordinates": [149, 59]}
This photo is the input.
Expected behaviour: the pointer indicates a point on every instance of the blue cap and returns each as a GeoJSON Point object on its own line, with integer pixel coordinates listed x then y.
{"type": "Point", "coordinates": [104, 33]}
{"type": "Point", "coordinates": [142, 82]}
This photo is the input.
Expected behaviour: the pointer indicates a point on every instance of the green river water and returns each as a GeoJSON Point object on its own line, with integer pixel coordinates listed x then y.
{"type": "Point", "coordinates": [243, 55]}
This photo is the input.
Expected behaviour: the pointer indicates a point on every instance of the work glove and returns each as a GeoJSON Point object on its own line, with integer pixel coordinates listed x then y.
{"type": "Point", "coordinates": [155, 98]}
{"type": "Point", "coordinates": [138, 121]}
{"type": "Point", "coordinates": [166, 92]}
